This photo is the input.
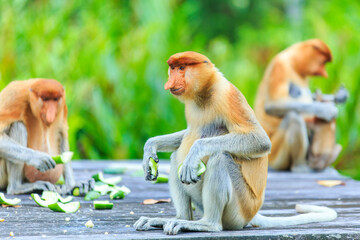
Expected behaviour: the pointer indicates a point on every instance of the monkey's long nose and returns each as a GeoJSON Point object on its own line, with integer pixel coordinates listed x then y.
{"type": "Point", "coordinates": [169, 84]}
{"type": "Point", "coordinates": [51, 113]}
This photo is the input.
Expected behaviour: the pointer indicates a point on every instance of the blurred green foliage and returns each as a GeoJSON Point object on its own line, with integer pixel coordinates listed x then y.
{"type": "Point", "coordinates": [111, 56]}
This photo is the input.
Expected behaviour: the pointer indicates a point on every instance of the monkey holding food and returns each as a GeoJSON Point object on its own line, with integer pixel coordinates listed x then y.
{"type": "Point", "coordinates": [224, 133]}
{"type": "Point", "coordinates": [301, 125]}
{"type": "Point", "coordinates": [33, 127]}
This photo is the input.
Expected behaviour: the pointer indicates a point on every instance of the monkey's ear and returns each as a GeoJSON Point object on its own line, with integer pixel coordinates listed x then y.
{"type": "Point", "coordinates": [205, 61]}
{"type": "Point", "coordinates": [30, 89]}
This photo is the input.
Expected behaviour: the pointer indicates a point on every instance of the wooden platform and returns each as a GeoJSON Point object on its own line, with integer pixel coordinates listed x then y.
{"type": "Point", "coordinates": [284, 190]}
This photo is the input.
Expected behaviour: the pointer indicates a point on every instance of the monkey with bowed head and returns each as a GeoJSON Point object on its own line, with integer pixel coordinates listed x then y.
{"type": "Point", "coordinates": [223, 132]}
{"type": "Point", "coordinates": [33, 127]}
{"type": "Point", "coordinates": [301, 125]}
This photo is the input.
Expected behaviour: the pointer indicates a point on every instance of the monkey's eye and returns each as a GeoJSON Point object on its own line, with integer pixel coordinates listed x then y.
{"type": "Point", "coordinates": [55, 99]}
{"type": "Point", "coordinates": [181, 67]}
{"type": "Point", "coordinates": [45, 99]}
{"type": "Point", "coordinates": [172, 67]}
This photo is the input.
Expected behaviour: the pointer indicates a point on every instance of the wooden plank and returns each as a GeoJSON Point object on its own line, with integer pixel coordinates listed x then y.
{"type": "Point", "coordinates": [284, 190]}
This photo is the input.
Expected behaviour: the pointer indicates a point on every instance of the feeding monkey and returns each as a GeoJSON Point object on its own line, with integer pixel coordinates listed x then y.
{"type": "Point", "coordinates": [33, 126]}
{"type": "Point", "coordinates": [301, 125]}
{"type": "Point", "coordinates": [224, 133]}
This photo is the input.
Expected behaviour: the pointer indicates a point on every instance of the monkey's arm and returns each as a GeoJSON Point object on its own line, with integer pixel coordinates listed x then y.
{"type": "Point", "coordinates": [339, 97]}
{"type": "Point", "coordinates": [70, 183]}
{"type": "Point", "coordinates": [164, 143]}
{"type": "Point", "coordinates": [247, 145]}
{"type": "Point", "coordinates": [322, 110]}
{"type": "Point", "coordinates": [14, 152]}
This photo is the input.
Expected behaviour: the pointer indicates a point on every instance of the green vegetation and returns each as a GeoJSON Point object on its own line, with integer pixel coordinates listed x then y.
{"type": "Point", "coordinates": [111, 56]}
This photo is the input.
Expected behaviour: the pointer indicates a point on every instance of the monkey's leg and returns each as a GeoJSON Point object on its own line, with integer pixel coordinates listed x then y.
{"type": "Point", "coordinates": [15, 170]}
{"type": "Point", "coordinates": [3, 174]}
{"type": "Point", "coordinates": [180, 198]}
{"type": "Point", "coordinates": [216, 191]}
{"type": "Point", "coordinates": [290, 144]}
{"type": "Point", "coordinates": [323, 150]}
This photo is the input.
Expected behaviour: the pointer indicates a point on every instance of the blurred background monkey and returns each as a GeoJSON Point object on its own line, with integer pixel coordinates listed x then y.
{"type": "Point", "coordinates": [222, 132]}
{"type": "Point", "coordinates": [301, 125]}
{"type": "Point", "coordinates": [33, 127]}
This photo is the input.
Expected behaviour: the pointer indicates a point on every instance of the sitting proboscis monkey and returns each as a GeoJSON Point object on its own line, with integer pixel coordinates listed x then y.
{"type": "Point", "coordinates": [33, 127]}
{"type": "Point", "coordinates": [223, 132]}
{"type": "Point", "coordinates": [301, 125]}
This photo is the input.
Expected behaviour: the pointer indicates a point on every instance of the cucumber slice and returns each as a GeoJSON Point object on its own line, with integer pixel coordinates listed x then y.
{"type": "Point", "coordinates": [42, 202]}
{"type": "Point", "coordinates": [64, 200]}
{"type": "Point", "coordinates": [124, 189]}
{"type": "Point", "coordinates": [100, 205]}
{"type": "Point", "coordinates": [162, 178]}
{"type": "Point", "coordinates": [117, 194]}
{"type": "Point", "coordinates": [201, 169]}
{"type": "Point", "coordinates": [76, 192]}
{"type": "Point", "coordinates": [7, 201]}
{"type": "Point", "coordinates": [65, 207]}
{"type": "Point", "coordinates": [92, 195]}
{"type": "Point", "coordinates": [102, 188]}
{"type": "Point", "coordinates": [61, 180]}
{"type": "Point", "coordinates": [49, 195]}
{"type": "Point", "coordinates": [65, 157]}
{"type": "Point", "coordinates": [153, 166]}
{"type": "Point", "coordinates": [114, 170]}
{"type": "Point", "coordinates": [99, 177]}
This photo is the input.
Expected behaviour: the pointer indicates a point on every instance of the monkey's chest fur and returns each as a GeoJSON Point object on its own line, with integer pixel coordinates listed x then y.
{"type": "Point", "coordinates": [43, 140]}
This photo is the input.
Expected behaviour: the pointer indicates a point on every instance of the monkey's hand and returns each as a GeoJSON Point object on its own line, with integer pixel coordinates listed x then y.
{"type": "Point", "coordinates": [41, 161]}
{"type": "Point", "coordinates": [325, 110]}
{"type": "Point", "coordinates": [149, 152]}
{"type": "Point", "coordinates": [341, 95]}
{"type": "Point", "coordinates": [188, 173]}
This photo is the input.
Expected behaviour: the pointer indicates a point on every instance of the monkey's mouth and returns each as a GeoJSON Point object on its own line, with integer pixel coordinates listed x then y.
{"type": "Point", "coordinates": [177, 91]}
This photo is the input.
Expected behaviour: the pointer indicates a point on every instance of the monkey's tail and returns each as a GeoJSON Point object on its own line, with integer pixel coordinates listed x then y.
{"type": "Point", "coordinates": [311, 214]}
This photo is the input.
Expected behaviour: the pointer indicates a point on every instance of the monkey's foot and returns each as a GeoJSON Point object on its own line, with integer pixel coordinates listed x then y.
{"type": "Point", "coordinates": [145, 223]}
{"type": "Point", "coordinates": [301, 169]}
{"type": "Point", "coordinates": [31, 187]}
{"type": "Point", "coordinates": [172, 227]}
{"type": "Point", "coordinates": [84, 187]}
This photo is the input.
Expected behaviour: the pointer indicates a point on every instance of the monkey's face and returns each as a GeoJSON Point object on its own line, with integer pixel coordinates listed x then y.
{"type": "Point", "coordinates": [176, 81]}
{"type": "Point", "coordinates": [316, 65]}
{"type": "Point", "coordinates": [46, 100]}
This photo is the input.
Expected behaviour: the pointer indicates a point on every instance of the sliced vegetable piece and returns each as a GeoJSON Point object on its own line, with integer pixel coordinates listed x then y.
{"type": "Point", "coordinates": [92, 195]}
{"type": "Point", "coordinates": [65, 157]}
{"type": "Point", "coordinates": [61, 180]}
{"type": "Point", "coordinates": [64, 199]}
{"type": "Point", "coordinates": [110, 181]}
{"type": "Point", "coordinates": [118, 194]}
{"type": "Point", "coordinates": [201, 169]}
{"type": "Point", "coordinates": [118, 170]}
{"type": "Point", "coordinates": [41, 202]}
{"type": "Point", "coordinates": [76, 192]}
{"type": "Point", "coordinates": [124, 189]}
{"type": "Point", "coordinates": [103, 205]}
{"type": "Point", "coordinates": [153, 166]}
{"type": "Point", "coordinates": [162, 178]}
{"type": "Point", "coordinates": [102, 188]}
{"type": "Point", "coordinates": [65, 207]}
{"type": "Point", "coordinates": [49, 196]}
{"type": "Point", "coordinates": [8, 201]}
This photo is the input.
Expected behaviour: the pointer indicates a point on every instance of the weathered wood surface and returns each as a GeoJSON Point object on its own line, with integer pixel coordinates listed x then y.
{"type": "Point", "coordinates": [284, 190]}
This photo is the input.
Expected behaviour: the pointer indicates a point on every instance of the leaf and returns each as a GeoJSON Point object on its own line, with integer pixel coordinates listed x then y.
{"type": "Point", "coordinates": [330, 183]}
{"type": "Point", "coordinates": [15, 206]}
{"type": "Point", "coordinates": [154, 201]}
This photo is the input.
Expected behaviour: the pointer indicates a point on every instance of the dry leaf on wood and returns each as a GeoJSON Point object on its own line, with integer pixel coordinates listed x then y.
{"type": "Point", "coordinates": [15, 206]}
{"type": "Point", "coordinates": [330, 183]}
{"type": "Point", "coordinates": [154, 201]}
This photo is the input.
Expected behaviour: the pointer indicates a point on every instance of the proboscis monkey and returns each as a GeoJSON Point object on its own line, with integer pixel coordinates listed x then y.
{"type": "Point", "coordinates": [301, 126]}
{"type": "Point", "coordinates": [33, 126]}
{"type": "Point", "coordinates": [224, 133]}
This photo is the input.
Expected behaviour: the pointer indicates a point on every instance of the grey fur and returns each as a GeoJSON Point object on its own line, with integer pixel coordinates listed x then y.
{"type": "Point", "coordinates": [322, 110]}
